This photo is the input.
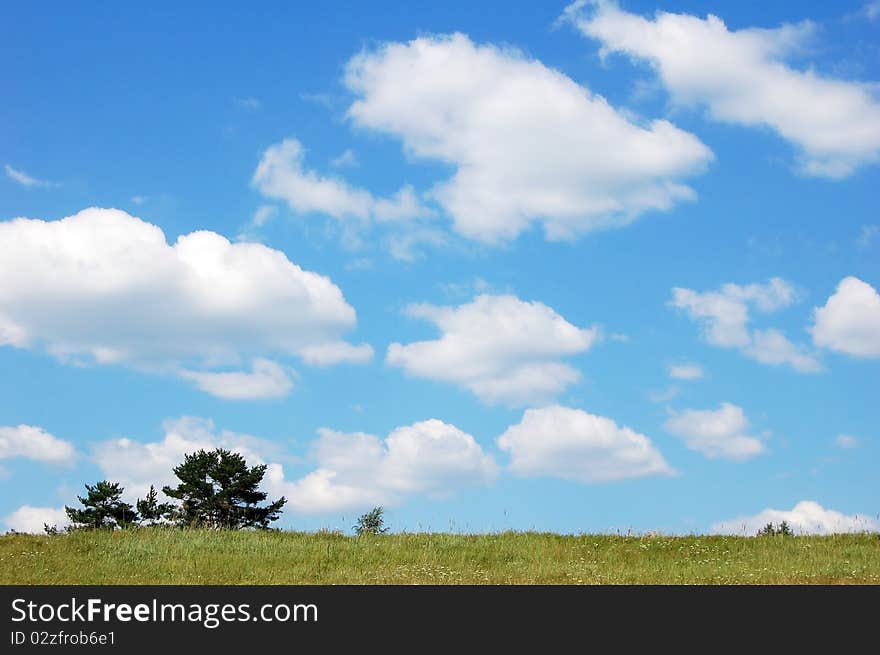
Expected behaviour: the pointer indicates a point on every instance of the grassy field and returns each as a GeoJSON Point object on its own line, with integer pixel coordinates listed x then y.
{"type": "Point", "coordinates": [160, 556]}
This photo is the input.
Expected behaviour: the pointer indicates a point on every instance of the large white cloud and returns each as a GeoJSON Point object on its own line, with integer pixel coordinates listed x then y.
{"type": "Point", "coordinates": [31, 442]}
{"type": "Point", "coordinates": [529, 145]}
{"type": "Point", "coordinates": [742, 77]}
{"type": "Point", "coordinates": [33, 519]}
{"type": "Point", "coordinates": [501, 348]}
{"type": "Point", "coordinates": [849, 322]}
{"type": "Point", "coordinates": [807, 517]}
{"type": "Point", "coordinates": [719, 433]}
{"type": "Point", "coordinates": [358, 470]}
{"type": "Point", "coordinates": [106, 287]}
{"type": "Point", "coordinates": [724, 315]}
{"type": "Point", "coordinates": [571, 444]}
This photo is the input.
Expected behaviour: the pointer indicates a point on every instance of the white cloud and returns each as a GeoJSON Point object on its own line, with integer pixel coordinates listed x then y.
{"type": "Point", "coordinates": [742, 77]}
{"type": "Point", "coordinates": [773, 347]}
{"type": "Point", "coordinates": [263, 214]}
{"type": "Point", "coordinates": [529, 145]}
{"type": "Point", "coordinates": [345, 159]}
{"type": "Point", "coordinates": [24, 179]}
{"type": "Point", "coordinates": [404, 245]}
{"type": "Point", "coordinates": [717, 434]}
{"type": "Point", "coordinates": [849, 322]}
{"type": "Point", "coordinates": [686, 371]}
{"type": "Point", "coordinates": [574, 445]}
{"type": "Point", "coordinates": [103, 286]}
{"type": "Point", "coordinates": [34, 443]}
{"type": "Point", "coordinates": [31, 519]}
{"type": "Point", "coordinates": [267, 379]}
{"type": "Point", "coordinates": [664, 395]}
{"type": "Point", "coordinates": [867, 235]}
{"type": "Point", "coordinates": [846, 441]}
{"type": "Point", "coordinates": [281, 175]}
{"type": "Point", "coordinates": [357, 470]}
{"type": "Point", "coordinates": [724, 315]}
{"type": "Point", "coordinates": [139, 200]}
{"type": "Point", "coordinates": [337, 352]}
{"type": "Point", "coordinates": [500, 348]}
{"type": "Point", "coordinates": [807, 517]}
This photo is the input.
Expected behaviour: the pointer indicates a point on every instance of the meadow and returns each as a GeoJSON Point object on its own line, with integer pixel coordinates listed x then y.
{"type": "Point", "coordinates": [177, 556]}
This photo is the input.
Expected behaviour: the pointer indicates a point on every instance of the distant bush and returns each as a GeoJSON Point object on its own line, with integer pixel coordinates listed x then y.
{"type": "Point", "coordinates": [770, 530]}
{"type": "Point", "coordinates": [373, 522]}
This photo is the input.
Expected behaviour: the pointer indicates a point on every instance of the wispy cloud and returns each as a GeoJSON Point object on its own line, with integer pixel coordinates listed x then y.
{"type": "Point", "coordinates": [249, 103]}
{"type": "Point", "coordinates": [346, 159]}
{"type": "Point", "coordinates": [867, 235]}
{"type": "Point", "coordinates": [846, 441]}
{"type": "Point", "coordinates": [26, 180]}
{"type": "Point", "coordinates": [871, 11]}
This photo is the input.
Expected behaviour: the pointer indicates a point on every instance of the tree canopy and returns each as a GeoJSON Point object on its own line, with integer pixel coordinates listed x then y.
{"type": "Point", "coordinates": [103, 507]}
{"type": "Point", "coordinates": [218, 490]}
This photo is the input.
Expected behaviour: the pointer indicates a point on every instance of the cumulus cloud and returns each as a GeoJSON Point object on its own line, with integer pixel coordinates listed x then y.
{"type": "Point", "coordinates": [501, 348]}
{"type": "Point", "coordinates": [741, 77]}
{"type": "Point", "coordinates": [31, 442]}
{"type": "Point", "coordinates": [105, 287]}
{"type": "Point", "coordinates": [529, 145]}
{"type": "Point", "coordinates": [849, 322]}
{"type": "Point", "coordinates": [25, 180]}
{"type": "Point", "coordinates": [807, 517]}
{"type": "Point", "coordinates": [686, 371]}
{"type": "Point", "coordinates": [717, 434]}
{"type": "Point", "coordinates": [267, 379]}
{"type": "Point", "coordinates": [32, 519]}
{"type": "Point", "coordinates": [358, 470]}
{"type": "Point", "coordinates": [573, 445]}
{"type": "Point", "coordinates": [724, 315]}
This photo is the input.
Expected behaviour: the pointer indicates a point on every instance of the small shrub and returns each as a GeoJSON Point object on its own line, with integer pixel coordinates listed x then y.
{"type": "Point", "coordinates": [373, 522]}
{"type": "Point", "coordinates": [770, 530]}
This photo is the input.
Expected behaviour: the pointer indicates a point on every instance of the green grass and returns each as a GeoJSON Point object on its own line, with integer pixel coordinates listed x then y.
{"type": "Point", "coordinates": [169, 556]}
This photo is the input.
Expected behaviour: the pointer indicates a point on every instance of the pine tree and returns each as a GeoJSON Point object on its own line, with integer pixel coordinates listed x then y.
{"type": "Point", "coordinates": [152, 511]}
{"type": "Point", "coordinates": [218, 490]}
{"type": "Point", "coordinates": [103, 507]}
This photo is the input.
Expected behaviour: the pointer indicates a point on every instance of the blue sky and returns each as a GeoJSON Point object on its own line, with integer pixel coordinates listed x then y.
{"type": "Point", "coordinates": [514, 265]}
